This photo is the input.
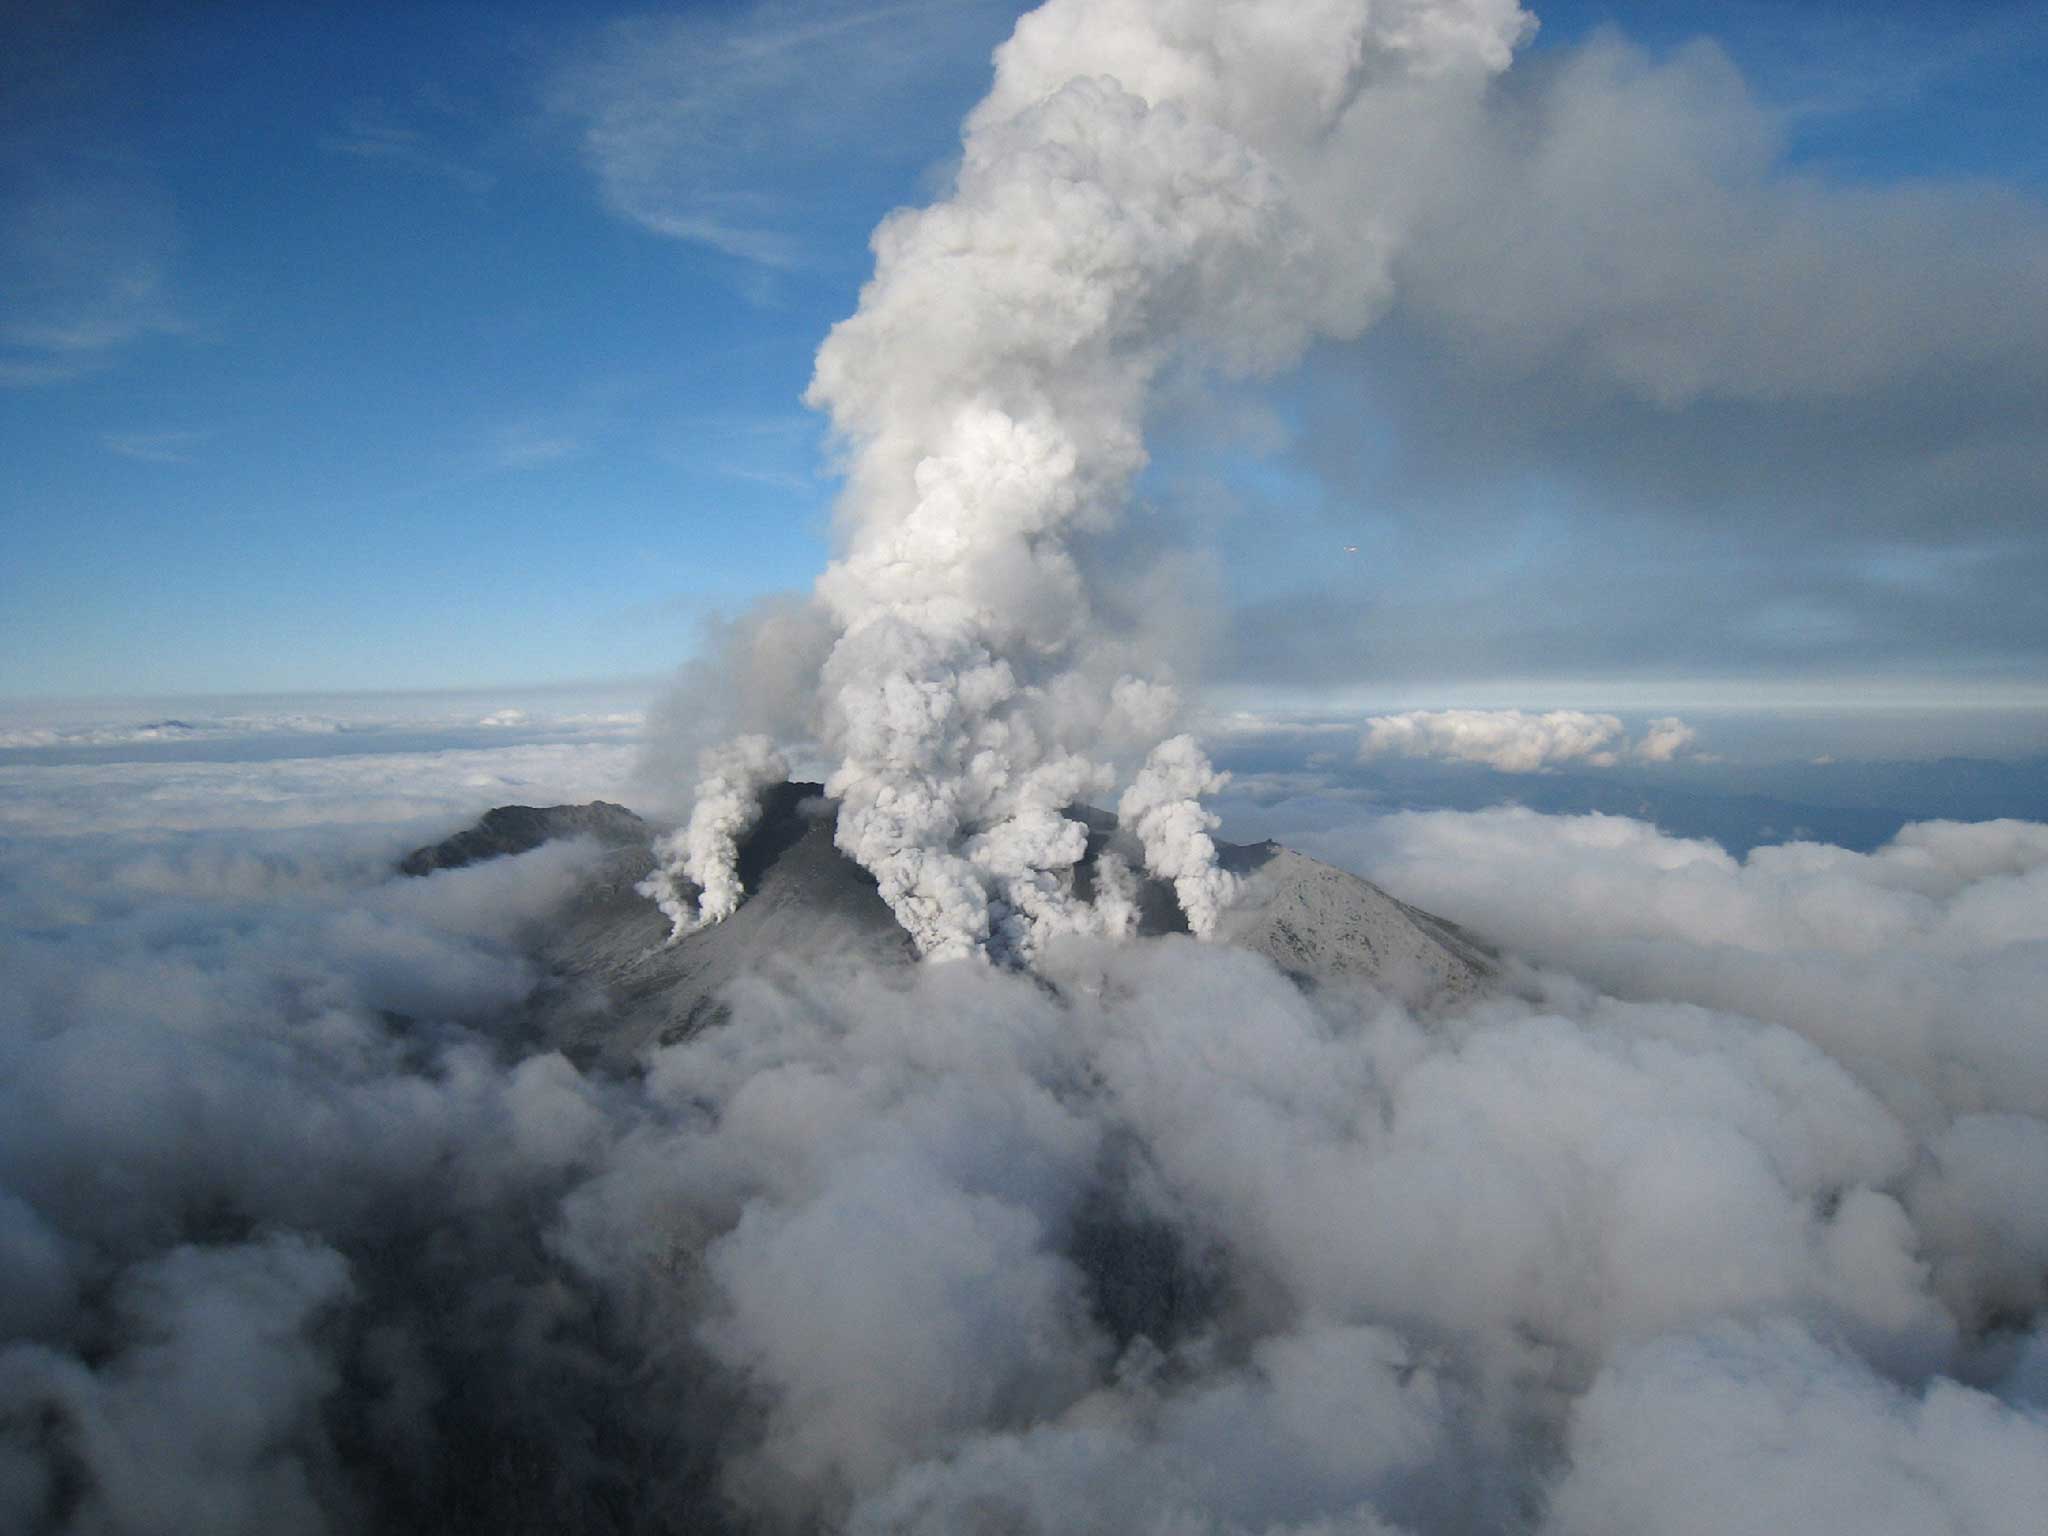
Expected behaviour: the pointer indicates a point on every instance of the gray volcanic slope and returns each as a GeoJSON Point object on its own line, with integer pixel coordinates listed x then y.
{"type": "Point", "coordinates": [617, 985]}
{"type": "Point", "coordinates": [518, 828]}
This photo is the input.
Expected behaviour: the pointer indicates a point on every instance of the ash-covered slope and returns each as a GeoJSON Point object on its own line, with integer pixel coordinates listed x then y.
{"type": "Point", "coordinates": [1325, 924]}
{"type": "Point", "coordinates": [617, 985]}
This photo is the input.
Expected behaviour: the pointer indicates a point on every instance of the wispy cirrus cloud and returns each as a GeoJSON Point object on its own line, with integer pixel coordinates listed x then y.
{"type": "Point", "coordinates": [175, 447]}
{"type": "Point", "coordinates": [531, 445]}
{"type": "Point", "coordinates": [1826, 62]}
{"type": "Point", "coordinates": [685, 119]}
{"type": "Point", "coordinates": [778, 451]}
{"type": "Point", "coordinates": [85, 264]}
{"type": "Point", "coordinates": [374, 131]}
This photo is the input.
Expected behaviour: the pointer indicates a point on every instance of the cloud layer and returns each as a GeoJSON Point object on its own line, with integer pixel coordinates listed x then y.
{"type": "Point", "coordinates": [301, 1234]}
{"type": "Point", "coordinates": [1514, 742]}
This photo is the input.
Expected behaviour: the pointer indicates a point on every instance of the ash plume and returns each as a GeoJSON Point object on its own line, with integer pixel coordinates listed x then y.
{"type": "Point", "coordinates": [1134, 197]}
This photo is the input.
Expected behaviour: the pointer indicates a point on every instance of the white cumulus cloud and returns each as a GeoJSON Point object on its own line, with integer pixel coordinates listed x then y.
{"type": "Point", "coordinates": [1513, 741]}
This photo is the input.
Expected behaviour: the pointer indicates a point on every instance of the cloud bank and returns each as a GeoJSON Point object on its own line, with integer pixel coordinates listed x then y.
{"type": "Point", "coordinates": [1514, 742]}
{"type": "Point", "coordinates": [301, 1234]}
{"type": "Point", "coordinates": [1911, 964]}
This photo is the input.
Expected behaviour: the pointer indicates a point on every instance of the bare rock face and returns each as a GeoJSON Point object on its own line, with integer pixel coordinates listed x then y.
{"type": "Point", "coordinates": [618, 985]}
{"type": "Point", "coordinates": [518, 828]}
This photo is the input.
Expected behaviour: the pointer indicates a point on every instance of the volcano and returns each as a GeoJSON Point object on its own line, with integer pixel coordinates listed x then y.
{"type": "Point", "coordinates": [617, 984]}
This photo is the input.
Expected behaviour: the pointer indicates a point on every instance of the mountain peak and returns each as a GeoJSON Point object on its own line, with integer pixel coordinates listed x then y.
{"type": "Point", "coordinates": [508, 829]}
{"type": "Point", "coordinates": [618, 984]}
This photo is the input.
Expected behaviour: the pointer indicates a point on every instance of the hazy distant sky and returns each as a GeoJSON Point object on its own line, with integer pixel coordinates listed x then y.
{"type": "Point", "coordinates": [452, 345]}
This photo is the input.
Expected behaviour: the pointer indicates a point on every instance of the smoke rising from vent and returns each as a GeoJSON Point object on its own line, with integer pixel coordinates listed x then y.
{"type": "Point", "coordinates": [1132, 198]}
{"type": "Point", "coordinates": [706, 850]}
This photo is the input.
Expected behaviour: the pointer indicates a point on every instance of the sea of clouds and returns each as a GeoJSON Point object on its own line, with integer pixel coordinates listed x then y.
{"type": "Point", "coordinates": [1726, 1212]}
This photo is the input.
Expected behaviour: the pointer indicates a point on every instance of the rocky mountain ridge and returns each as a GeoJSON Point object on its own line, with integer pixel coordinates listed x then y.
{"type": "Point", "coordinates": [617, 984]}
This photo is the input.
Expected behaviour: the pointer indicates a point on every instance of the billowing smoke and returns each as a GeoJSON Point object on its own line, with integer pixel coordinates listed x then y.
{"type": "Point", "coordinates": [706, 849]}
{"type": "Point", "coordinates": [1135, 195]}
{"type": "Point", "coordinates": [1164, 808]}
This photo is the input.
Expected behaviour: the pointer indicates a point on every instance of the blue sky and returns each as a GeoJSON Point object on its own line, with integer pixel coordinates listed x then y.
{"type": "Point", "coordinates": [450, 346]}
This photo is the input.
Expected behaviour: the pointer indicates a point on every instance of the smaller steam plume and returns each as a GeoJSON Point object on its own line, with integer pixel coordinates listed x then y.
{"type": "Point", "coordinates": [705, 851]}
{"type": "Point", "coordinates": [1164, 808]}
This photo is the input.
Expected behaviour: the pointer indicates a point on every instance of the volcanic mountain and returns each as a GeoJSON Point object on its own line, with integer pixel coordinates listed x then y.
{"type": "Point", "coordinates": [617, 985]}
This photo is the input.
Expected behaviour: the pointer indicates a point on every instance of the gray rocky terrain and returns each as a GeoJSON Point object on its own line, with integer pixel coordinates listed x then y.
{"type": "Point", "coordinates": [617, 985]}
{"type": "Point", "coordinates": [520, 828]}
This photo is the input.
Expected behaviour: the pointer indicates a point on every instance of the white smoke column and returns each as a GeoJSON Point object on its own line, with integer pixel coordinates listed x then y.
{"type": "Point", "coordinates": [1163, 806]}
{"type": "Point", "coordinates": [705, 851]}
{"type": "Point", "coordinates": [1116, 895]}
{"type": "Point", "coordinates": [1135, 193]}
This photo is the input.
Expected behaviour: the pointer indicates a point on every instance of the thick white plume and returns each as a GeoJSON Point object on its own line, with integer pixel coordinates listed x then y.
{"type": "Point", "coordinates": [705, 850]}
{"type": "Point", "coordinates": [1163, 806]}
{"type": "Point", "coordinates": [1138, 192]}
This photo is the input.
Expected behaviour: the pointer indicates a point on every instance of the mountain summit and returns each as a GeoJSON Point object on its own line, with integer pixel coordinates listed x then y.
{"type": "Point", "coordinates": [617, 984]}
